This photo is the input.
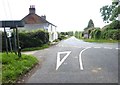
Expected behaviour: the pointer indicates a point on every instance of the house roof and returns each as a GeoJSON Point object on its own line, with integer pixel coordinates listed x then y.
{"type": "Point", "coordinates": [33, 18]}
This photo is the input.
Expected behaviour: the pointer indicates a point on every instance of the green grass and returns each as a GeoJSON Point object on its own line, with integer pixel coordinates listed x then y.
{"type": "Point", "coordinates": [101, 41]}
{"type": "Point", "coordinates": [36, 48]}
{"type": "Point", "coordinates": [13, 66]}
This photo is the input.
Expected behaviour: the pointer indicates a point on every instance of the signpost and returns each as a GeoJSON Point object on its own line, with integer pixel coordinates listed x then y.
{"type": "Point", "coordinates": [9, 34]}
{"type": "Point", "coordinates": [12, 25]}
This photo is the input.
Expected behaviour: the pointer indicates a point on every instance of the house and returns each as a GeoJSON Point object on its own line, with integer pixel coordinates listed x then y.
{"type": "Point", "coordinates": [33, 22]}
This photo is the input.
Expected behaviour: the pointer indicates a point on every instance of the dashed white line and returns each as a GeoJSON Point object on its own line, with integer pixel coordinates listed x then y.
{"type": "Point", "coordinates": [80, 58]}
{"type": "Point", "coordinates": [97, 47]}
{"type": "Point", "coordinates": [117, 48]}
{"type": "Point", "coordinates": [107, 47]}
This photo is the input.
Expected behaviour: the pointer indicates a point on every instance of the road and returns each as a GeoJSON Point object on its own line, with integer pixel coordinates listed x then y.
{"type": "Point", "coordinates": [76, 61]}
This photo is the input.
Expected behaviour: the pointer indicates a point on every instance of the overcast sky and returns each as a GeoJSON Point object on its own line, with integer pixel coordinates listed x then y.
{"type": "Point", "coordinates": [66, 14]}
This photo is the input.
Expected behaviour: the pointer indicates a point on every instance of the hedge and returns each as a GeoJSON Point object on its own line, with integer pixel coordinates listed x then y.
{"type": "Point", "coordinates": [30, 39]}
{"type": "Point", "coordinates": [111, 34]}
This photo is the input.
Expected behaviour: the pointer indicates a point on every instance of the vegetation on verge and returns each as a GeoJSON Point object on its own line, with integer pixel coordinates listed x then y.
{"type": "Point", "coordinates": [36, 48]}
{"type": "Point", "coordinates": [65, 35]}
{"type": "Point", "coordinates": [109, 33]}
{"type": "Point", "coordinates": [101, 40]}
{"type": "Point", "coordinates": [13, 67]}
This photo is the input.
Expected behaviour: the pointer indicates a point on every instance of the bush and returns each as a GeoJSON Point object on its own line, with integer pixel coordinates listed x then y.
{"type": "Point", "coordinates": [97, 34]}
{"type": "Point", "coordinates": [115, 25]}
{"type": "Point", "coordinates": [111, 34]}
{"type": "Point", "coordinates": [30, 39]}
{"type": "Point", "coordinates": [56, 40]}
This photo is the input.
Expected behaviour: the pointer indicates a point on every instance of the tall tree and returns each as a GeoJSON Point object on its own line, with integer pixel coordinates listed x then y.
{"type": "Point", "coordinates": [90, 24]}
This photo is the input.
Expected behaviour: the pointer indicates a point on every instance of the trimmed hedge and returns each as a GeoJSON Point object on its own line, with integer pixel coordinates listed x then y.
{"type": "Point", "coordinates": [33, 39]}
{"type": "Point", "coordinates": [30, 39]}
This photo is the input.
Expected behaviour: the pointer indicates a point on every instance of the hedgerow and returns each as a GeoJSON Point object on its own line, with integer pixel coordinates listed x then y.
{"type": "Point", "coordinates": [29, 39]}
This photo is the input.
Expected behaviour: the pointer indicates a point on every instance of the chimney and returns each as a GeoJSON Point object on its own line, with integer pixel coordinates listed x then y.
{"type": "Point", "coordinates": [32, 9]}
{"type": "Point", "coordinates": [43, 16]}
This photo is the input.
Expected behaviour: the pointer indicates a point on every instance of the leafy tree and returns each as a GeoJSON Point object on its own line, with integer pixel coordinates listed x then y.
{"type": "Point", "coordinates": [114, 25]}
{"type": "Point", "coordinates": [110, 12]}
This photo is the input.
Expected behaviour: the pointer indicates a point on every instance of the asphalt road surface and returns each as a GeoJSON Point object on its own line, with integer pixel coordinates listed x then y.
{"type": "Point", "coordinates": [76, 61]}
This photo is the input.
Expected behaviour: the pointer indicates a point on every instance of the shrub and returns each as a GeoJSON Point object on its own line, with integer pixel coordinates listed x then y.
{"type": "Point", "coordinates": [56, 40]}
{"type": "Point", "coordinates": [112, 26]}
{"type": "Point", "coordinates": [97, 34]}
{"type": "Point", "coordinates": [111, 34]}
{"type": "Point", "coordinates": [29, 39]}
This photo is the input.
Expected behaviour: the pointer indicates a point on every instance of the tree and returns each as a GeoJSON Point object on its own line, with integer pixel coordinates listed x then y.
{"type": "Point", "coordinates": [90, 24]}
{"type": "Point", "coordinates": [110, 12]}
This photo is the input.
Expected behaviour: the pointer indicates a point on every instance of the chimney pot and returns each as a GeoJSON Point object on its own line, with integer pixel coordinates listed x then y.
{"type": "Point", "coordinates": [32, 9]}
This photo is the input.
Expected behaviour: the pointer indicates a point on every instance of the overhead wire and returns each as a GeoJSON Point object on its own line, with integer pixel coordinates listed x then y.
{"type": "Point", "coordinates": [4, 8]}
{"type": "Point", "coordinates": [9, 9]}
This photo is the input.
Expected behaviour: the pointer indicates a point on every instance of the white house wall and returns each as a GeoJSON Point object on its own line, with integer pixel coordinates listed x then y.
{"type": "Point", "coordinates": [50, 28]}
{"type": "Point", "coordinates": [52, 33]}
{"type": "Point", "coordinates": [30, 27]}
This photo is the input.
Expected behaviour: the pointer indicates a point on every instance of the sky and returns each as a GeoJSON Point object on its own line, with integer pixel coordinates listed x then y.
{"type": "Point", "coordinates": [67, 15]}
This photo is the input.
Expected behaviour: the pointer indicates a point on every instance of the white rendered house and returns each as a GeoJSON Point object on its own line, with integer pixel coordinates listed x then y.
{"type": "Point", "coordinates": [34, 22]}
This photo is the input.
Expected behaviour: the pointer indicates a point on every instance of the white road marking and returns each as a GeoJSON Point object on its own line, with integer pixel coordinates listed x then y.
{"type": "Point", "coordinates": [80, 58]}
{"type": "Point", "coordinates": [59, 63]}
{"type": "Point", "coordinates": [107, 47]}
{"type": "Point", "coordinates": [117, 48]}
{"type": "Point", "coordinates": [97, 47]}
{"type": "Point", "coordinates": [75, 57]}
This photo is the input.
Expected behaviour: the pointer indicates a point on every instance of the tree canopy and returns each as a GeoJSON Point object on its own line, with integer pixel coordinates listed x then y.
{"type": "Point", "coordinates": [90, 24]}
{"type": "Point", "coordinates": [110, 12]}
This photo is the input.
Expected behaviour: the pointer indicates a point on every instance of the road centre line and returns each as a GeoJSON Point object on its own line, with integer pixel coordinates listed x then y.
{"type": "Point", "coordinates": [80, 58]}
{"type": "Point", "coordinates": [117, 48]}
{"type": "Point", "coordinates": [88, 47]}
{"type": "Point", "coordinates": [107, 47]}
{"type": "Point", "coordinates": [97, 47]}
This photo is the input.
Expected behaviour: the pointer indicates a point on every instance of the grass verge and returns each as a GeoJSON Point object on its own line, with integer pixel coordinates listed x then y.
{"type": "Point", "coordinates": [36, 48]}
{"type": "Point", "coordinates": [101, 41]}
{"type": "Point", "coordinates": [14, 67]}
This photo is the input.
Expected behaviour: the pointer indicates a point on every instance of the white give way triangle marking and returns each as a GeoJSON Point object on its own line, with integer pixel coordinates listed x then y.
{"type": "Point", "coordinates": [59, 62]}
